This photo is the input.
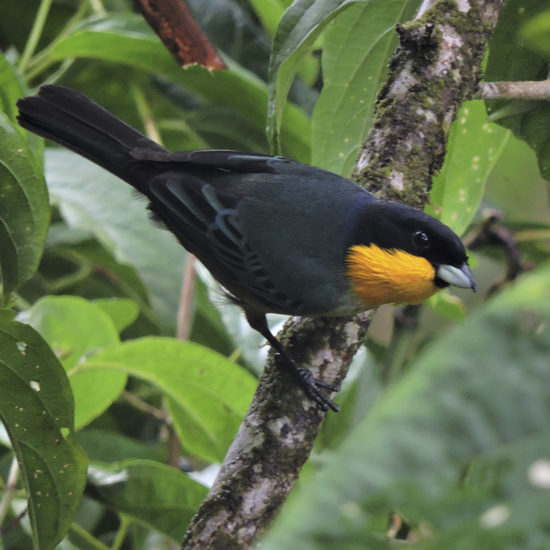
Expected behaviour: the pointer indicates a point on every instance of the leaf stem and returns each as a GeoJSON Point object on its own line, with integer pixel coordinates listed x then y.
{"type": "Point", "coordinates": [79, 532]}
{"type": "Point", "coordinates": [125, 523]}
{"type": "Point", "coordinates": [36, 32]}
{"type": "Point", "coordinates": [145, 113]}
{"type": "Point", "coordinates": [98, 7]}
{"type": "Point", "coordinates": [42, 60]}
{"type": "Point", "coordinates": [145, 407]}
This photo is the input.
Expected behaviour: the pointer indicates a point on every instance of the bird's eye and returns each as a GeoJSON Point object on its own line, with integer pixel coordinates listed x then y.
{"type": "Point", "coordinates": [421, 240]}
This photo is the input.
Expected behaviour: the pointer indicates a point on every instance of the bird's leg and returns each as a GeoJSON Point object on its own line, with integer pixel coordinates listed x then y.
{"type": "Point", "coordinates": [305, 377]}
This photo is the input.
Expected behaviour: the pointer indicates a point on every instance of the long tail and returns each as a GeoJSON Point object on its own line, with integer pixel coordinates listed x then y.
{"type": "Point", "coordinates": [69, 118]}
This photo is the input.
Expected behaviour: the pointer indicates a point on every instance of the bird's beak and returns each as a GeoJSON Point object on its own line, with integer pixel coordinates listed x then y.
{"type": "Point", "coordinates": [457, 276]}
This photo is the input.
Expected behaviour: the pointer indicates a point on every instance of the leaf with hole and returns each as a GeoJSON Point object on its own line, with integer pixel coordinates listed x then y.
{"type": "Point", "coordinates": [357, 45]}
{"type": "Point", "coordinates": [76, 328]}
{"type": "Point", "coordinates": [36, 407]}
{"type": "Point", "coordinates": [474, 147]}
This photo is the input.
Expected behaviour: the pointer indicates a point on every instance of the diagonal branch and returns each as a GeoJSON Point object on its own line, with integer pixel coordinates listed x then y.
{"type": "Point", "coordinates": [435, 68]}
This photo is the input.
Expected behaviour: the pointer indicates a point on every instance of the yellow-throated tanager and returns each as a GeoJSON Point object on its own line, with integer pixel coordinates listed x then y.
{"type": "Point", "coordinates": [280, 236]}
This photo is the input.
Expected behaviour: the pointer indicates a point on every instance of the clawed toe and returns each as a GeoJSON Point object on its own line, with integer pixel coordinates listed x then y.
{"type": "Point", "coordinates": [311, 386]}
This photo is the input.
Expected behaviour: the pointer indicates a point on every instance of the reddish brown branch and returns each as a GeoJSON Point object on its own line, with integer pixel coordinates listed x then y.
{"type": "Point", "coordinates": [180, 33]}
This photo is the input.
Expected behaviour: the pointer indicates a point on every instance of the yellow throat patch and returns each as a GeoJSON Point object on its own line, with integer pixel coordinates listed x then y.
{"type": "Point", "coordinates": [379, 276]}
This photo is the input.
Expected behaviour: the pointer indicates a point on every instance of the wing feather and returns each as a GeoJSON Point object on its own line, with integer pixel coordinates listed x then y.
{"type": "Point", "coordinates": [206, 221]}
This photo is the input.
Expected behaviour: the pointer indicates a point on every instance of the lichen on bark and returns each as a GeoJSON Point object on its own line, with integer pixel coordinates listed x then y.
{"type": "Point", "coordinates": [435, 68]}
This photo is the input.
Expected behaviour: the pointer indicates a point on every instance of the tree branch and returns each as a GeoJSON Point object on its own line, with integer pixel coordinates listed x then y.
{"type": "Point", "coordinates": [435, 68]}
{"type": "Point", "coordinates": [527, 89]}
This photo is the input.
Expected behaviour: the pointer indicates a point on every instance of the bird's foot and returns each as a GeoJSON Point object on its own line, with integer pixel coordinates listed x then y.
{"type": "Point", "coordinates": [312, 388]}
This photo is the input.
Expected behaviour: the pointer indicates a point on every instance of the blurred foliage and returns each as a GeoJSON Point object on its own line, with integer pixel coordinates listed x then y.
{"type": "Point", "coordinates": [520, 51]}
{"type": "Point", "coordinates": [444, 415]}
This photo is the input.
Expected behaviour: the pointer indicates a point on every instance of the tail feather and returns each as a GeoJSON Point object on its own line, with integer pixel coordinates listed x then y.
{"type": "Point", "coordinates": [69, 118]}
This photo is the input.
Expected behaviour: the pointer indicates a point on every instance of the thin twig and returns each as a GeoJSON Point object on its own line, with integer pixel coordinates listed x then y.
{"type": "Point", "coordinates": [145, 114]}
{"type": "Point", "coordinates": [145, 407]}
{"type": "Point", "coordinates": [528, 89]}
{"type": "Point", "coordinates": [35, 34]}
{"type": "Point", "coordinates": [185, 309]}
{"type": "Point", "coordinates": [98, 7]}
{"type": "Point", "coordinates": [492, 232]}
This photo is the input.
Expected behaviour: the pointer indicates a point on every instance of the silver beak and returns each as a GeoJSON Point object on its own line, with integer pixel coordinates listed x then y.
{"type": "Point", "coordinates": [457, 276]}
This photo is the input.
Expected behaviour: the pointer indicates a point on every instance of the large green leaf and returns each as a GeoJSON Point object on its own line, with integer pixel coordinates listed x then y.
{"type": "Point", "coordinates": [122, 311]}
{"type": "Point", "coordinates": [207, 395]}
{"type": "Point", "coordinates": [269, 12]}
{"type": "Point", "coordinates": [482, 390]}
{"type": "Point", "coordinates": [510, 60]}
{"type": "Point", "coordinates": [92, 199]}
{"type": "Point", "coordinates": [474, 147]}
{"type": "Point", "coordinates": [24, 208]}
{"type": "Point", "coordinates": [112, 446]}
{"type": "Point", "coordinates": [536, 34]}
{"type": "Point", "coordinates": [36, 407]}
{"type": "Point", "coordinates": [75, 328]}
{"type": "Point", "coordinates": [159, 496]}
{"type": "Point", "coordinates": [356, 49]}
{"type": "Point", "coordinates": [298, 29]}
{"type": "Point", "coordinates": [128, 41]}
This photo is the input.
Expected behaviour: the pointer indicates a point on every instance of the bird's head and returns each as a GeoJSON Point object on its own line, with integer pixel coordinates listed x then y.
{"type": "Point", "coordinates": [401, 255]}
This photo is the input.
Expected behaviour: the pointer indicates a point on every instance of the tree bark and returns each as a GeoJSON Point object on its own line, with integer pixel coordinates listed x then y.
{"type": "Point", "coordinates": [435, 68]}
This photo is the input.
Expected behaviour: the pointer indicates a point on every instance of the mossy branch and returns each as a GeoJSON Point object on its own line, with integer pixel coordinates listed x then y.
{"type": "Point", "coordinates": [435, 68]}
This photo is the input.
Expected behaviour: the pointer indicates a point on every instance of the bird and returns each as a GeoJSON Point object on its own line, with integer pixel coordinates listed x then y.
{"type": "Point", "coordinates": [278, 235]}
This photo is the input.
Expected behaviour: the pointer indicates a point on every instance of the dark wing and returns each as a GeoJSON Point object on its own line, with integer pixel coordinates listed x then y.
{"type": "Point", "coordinates": [206, 222]}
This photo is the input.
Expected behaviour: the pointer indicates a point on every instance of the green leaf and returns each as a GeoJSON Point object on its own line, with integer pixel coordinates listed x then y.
{"type": "Point", "coordinates": [356, 48]}
{"type": "Point", "coordinates": [108, 446]}
{"type": "Point", "coordinates": [510, 60]}
{"type": "Point", "coordinates": [269, 12]}
{"type": "Point", "coordinates": [298, 29]}
{"type": "Point", "coordinates": [12, 88]}
{"type": "Point", "coordinates": [536, 34]}
{"type": "Point", "coordinates": [206, 394]}
{"type": "Point", "coordinates": [122, 311]}
{"type": "Point", "coordinates": [474, 147]}
{"type": "Point", "coordinates": [75, 328]}
{"type": "Point", "coordinates": [92, 199]}
{"type": "Point", "coordinates": [160, 496]}
{"type": "Point", "coordinates": [36, 407]}
{"type": "Point", "coordinates": [128, 41]}
{"type": "Point", "coordinates": [24, 208]}
{"type": "Point", "coordinates": [482, 389]}
{"type": "Point", "coordinates": [226, 127]}
{"type": "Point", "coordinates": [231, 27]}
{"type": "Point", "coordinates": [447, 305]}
